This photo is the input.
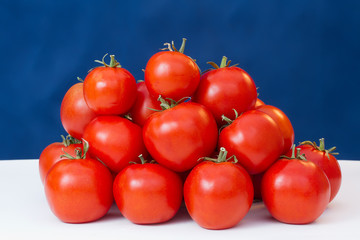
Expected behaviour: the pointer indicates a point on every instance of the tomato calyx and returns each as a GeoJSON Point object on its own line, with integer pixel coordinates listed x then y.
{"type": "Point", "coordinates": [68, 140]}
{"type": "Point", "coordinates": [168, 103]}
{"type": "Point", "coordinates": [79, 153]}
{"type": "Point", "coordinates": [143, 160]}
{"type": "Point", "coordinates": [228, 120]}
{"type": "Point", "coordinates": [113, 62]}
{"type": "Point", "coordinates": [171, 47]}
{"type": "Point", "coordinates": [321, 147]}
{"type": "Point", "coordinates": [221, 157]}
{"type": "Point", "coordinates": [295, 155]}
{"type": "Point", "coordinates": [224, 64]}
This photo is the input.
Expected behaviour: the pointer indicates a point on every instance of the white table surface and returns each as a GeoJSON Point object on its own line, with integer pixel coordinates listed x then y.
{"type": "Point", "coordinates": [24, 214]}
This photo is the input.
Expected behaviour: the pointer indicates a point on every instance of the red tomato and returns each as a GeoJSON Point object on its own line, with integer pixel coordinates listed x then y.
{"type": "Point", "coordinates": [143, 106]}
{"type": "Point", "coordinates": [74, 112]}
{"type": "Point", "coordinates": [255, 139]}
{"type": "Point", "coordinates": [179, 136]}
{"type": "Point", "coordinates": [172, 74]}
{"type": "Point", "coordinates": [295, 191]}
{"type": "Point", "coordinates": [326, 161]}
{"type": "Point", "coordinates": [79, 190]}
{"type": "Point", "coordinates": [116, 141]}
{"type": "Point", "coordinates": [226, 88]}
{"type": "Point", "coordinates": [283, 122]}
{"type": "Point", "coordinates": [218, 195]}
{"type": "Point", "coordinates": [148, 193]}
{"type": "Point", "coordinates": [52, 154]}
{"type": "Point", "coordinates": [110, 89]}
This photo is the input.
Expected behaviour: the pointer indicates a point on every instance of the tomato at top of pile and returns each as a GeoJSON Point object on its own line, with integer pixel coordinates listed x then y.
{"type": "Point", "coordinates": [110, 89]}
{"type": "Point", "coordinates": [172, 74]}
{"type": "Point", "coordinates": [226, 88]}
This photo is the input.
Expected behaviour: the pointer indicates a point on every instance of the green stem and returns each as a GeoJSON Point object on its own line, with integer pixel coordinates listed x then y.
{"type": "Point", "coordinates": [142, 159]}
{"type": "Point", "coordinates": [322, 144]}
{"type": "Point", "coordinates": [182, 48]}
{"type": "Point", "coordinates": [223, 62]}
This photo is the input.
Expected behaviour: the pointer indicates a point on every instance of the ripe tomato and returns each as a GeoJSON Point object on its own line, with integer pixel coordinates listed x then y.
{"type": "Point", "coordinates": [218, 194]}
{"type": "Point", "coordinates": [255, 139]}
{"type": "Point", "coordinates": [295, 191]}
{"type": "Point", "coordinates": [143, 106]}
{"type": "Point", "coordinates": [110, 89]}
{"type": "Point", "coordinates": [74, 112]}
{"type": "Point", "coordinates": [116, 141]}
{"type": "Point", "coordinates": [79, 190]}
{"type": "Point", "coordinates": [283, 122]}
{"type": "Point", "coordinates": [172, 74]}
{"type": "Point", "coordinates": [148, 193]}
{"type": "Point", "coordinates": [226, 88]}
{"type": "Point", "coordinates": [179, 136]}
{"type": "Point", "coordinates": [52, 154]}
{"type": "Point", "coordinates": [326, 161]}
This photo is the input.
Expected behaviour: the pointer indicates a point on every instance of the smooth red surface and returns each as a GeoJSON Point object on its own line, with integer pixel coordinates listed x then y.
{"type": "Point", "coordinates": [79, 190]}
{"type": "Point", "coordinates": [179, 136]}
{"type": "Point", "coordinates": [148, 193]}
{"type": "Point", "coordinates": [171, 75]}
{"type": "Point", "coordinates": [110, 91]}
{"type": "Point", "coordinates": [255, 139]}
{"type": "Point", "coordinates": [116, 141]}
{"type": "Point", "coordinates": [224, 89]}
{"type": "Point", "coordinates": [141, 110]}
{"type": "Point", "coordinates": [329, 165]}
{"type": "Point", "coordinates": [295, 191]}
{"type": "Point", "coordinates": [218, 195]}
{"type": "Point", "coordinates": [283, 122]}
{"type": "Point", "coordinates": [74, 112]}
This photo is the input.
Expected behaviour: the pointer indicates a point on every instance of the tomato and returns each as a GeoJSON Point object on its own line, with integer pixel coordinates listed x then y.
{"type": "Point", "coordinates": [147, 193]}
{"type": "Point", "coordinates": [177, 137]}
{"type": "Point", "coordinates": [295, 191]}
{"type": "Point", "coordinates": [226, 88]}
{"type": "Point", "coordinates": [326, 161]}
{"type": "Point", "coordinates": [74, 112]}
{"type": "Point", "coordinates": [172, 74]}
{"type": "Point", "coordinates": [256, 181]}
{"type": "Point", "coordinates": [52, 154]}
{"type": "Point", "coordinates": [110, 89]}
{"type": "Point", "coordinates": [79, 190]}
{"type": "Point", "coordinates": [255, 139]}
{"type": "Point", "coordinates": [143, 106]}
{"type": "Point", "coordinates": [116, 141]}
{"type": "Point", "coordinates": [218, 194]}
{"type": "Point", "coordinates": [283, 122]}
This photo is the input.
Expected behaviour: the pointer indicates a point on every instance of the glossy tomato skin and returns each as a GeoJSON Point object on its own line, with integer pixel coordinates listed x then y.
{"type": "Point", "coordinates": [295, 191]}
{"type": "Point", "coordinates": [141, 109]}
{"type": "Point", "coordinates": [79, 190]}
{"type": "Point", "coordinates": [283, 122]}
{"type": "Point", "coordinates": [74, 112]}
{"type": "Point", "coordinates": [329, 165]}
{"type": "Point", "coordinates": [52, 154]}
{"type": "Point", "coordinates": [171, 75]}
{"type": "Point", "coordinates": [224, 89]}
{"type": "Point", "coordinates": [116, 141]}
{"type": "Point", "coordinates": [258, 103]}
{"type": "Point", "coordinates": [255, 139]}
{"type": "Point", "coordinates": [148, 193]}
{"type": "Point", "coordinates": [179, 136]}
{"type": "Point", "coordinates": [218, 195]}
{"type": "Point", "coordinates": [110, 90]}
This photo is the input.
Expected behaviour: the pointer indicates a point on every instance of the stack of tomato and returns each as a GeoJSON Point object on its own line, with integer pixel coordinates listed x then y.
{"type": "Point", "coordinates": [181, 135]}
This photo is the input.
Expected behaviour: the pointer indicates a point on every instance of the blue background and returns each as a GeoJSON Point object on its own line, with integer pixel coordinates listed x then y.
{"type": "Point", "coordinates": [303, 55]}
